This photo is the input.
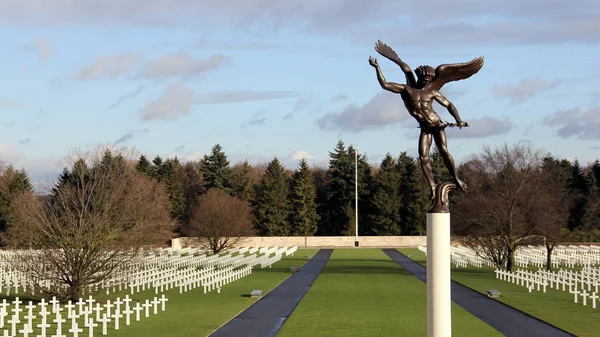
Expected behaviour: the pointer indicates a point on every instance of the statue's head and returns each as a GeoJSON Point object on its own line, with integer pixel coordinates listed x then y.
{"type": "Point", "coordinates": [424, 74]}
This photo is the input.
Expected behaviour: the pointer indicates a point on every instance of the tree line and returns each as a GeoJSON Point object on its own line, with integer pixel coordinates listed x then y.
{"type": "Point", "coordinates": [392, 198]}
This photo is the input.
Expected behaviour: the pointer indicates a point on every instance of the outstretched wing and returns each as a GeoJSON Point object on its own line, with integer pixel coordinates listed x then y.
{"type": "Point", "coordinates": [445, 73]}
{"type": "Point", "coordinates": [387, 52]}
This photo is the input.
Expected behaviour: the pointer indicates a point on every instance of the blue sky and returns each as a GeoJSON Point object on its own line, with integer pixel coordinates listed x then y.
{"type": "Point", "coordinates": [289, 78]}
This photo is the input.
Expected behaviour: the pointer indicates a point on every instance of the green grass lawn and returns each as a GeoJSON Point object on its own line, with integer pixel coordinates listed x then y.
{"type": "Point", "coordinates": [197, 314]}
{"type": "Point", "coordinates": [362, 292]}
{"type": "Point", "coordinates": [555, 307]}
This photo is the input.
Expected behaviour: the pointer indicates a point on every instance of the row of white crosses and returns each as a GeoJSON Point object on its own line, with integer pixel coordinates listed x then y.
{"type": "Point", "coordinates": [74, 318]}
{"type": "Point", "coordinates": [585, 283]}
{"type": "Point", "coordinates": [569, 256]}
{"type": "Point", "coordinates": [463, 257]}
{"type": "Point", "coordinates": [158, 269]}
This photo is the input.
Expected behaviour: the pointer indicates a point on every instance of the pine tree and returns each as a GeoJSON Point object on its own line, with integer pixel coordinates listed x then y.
{"type": "Point", "coordinates": [303, 212]}
{"type": "Point", "coordinates": [339, 191]}
{"type": "Point", "coordinates": [440, 172]}
{"type": "Point", "coordinates": [365, 193]}
{"type": "Point", "coordinates": [242, 182]}
{"type": "Point", "coordinates": [414, 196]}
{"type": "Point", "coordinates": [271, 208]}
{"type": "Point", "coordinates": [580, 190]}
{"type": "Point", "coordinates": [385, 219]}
{"type": "Point", "coordinates": [215, 167]}
{"type": "Point", "coordinates": [173, 177]}
{"type": "Point", "coordinates": [144, 166]}
{"type": "Point", "coordinates": [157, 169]}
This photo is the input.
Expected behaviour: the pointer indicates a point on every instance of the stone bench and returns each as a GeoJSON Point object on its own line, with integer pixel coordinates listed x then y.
{"type": "Point", "coordinates": [493, 293]}
{"type": "Point", "coordinates": [256, 293]}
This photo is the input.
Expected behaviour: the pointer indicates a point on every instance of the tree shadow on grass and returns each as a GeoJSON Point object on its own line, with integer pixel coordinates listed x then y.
{"type": "Point", "coordinates": [366, 270]}
{"type": "Point", "coordinates": [22, 297]}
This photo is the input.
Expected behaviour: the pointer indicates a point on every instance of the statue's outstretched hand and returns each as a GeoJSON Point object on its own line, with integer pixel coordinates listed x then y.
{"type": "Point", "coordinates": [373, 61]}
{"type": "Point", "coordinates": [462, 124]}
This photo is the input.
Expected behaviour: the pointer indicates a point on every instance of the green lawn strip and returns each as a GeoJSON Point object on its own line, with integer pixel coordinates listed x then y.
{"type": "Point", "coordinates": [362, 292]}
{"type": "Point", "coordinates": [192, 313]}
{"type": "Point", "coordinates": [555, 307]}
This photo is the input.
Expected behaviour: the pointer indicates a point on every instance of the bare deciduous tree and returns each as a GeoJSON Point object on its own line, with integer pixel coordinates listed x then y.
{"type": "Point", "coordinates": [507, 191]}
{"type": "Point", "coordinates": [96, 220]}
{"type": "Point", "coordinates": [220, 221]}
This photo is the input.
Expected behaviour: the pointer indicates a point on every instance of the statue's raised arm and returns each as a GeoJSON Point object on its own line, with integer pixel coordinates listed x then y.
{"type": "Point", "coordinates": [387, 52]}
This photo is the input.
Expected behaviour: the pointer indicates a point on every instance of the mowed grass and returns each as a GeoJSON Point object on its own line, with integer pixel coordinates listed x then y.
{"type": "Point", "coordinates": [194, 313]}
{"type": "Point", "coordinates": [555, 307]}
{"type": "Point", "coordinates": [362, 292]}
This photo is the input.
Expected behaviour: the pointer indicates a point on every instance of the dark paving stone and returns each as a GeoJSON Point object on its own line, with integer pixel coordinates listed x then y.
{"type": "Point", "coordinates": [507, 320]}
{"type": "Point", "coordinates": [266, 316]}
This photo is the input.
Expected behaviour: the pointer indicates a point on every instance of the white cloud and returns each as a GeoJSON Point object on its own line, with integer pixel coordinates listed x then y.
{"type": "Point", "coordinates": [108, 66]}
{"type": "Point", "coordinates": [383, 109]}
{"type": "Point", "coordinates": [301, 154]}
{"type": "Point", "coordinates": [175, 102]}
{"type": "Point", "coordinates": [182, 65]}
{"type": "Point", "coordinates": [525, 89]}
{"type": "Point", "coordinates": [186, 157]}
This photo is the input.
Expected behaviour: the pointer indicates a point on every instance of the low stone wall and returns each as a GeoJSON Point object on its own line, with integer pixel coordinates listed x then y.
{"type": "Point", "coordinates": [316, 241]}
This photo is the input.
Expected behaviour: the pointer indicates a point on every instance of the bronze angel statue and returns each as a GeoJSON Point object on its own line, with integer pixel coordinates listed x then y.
{"type": "Point", "coordinates": [418, 96]}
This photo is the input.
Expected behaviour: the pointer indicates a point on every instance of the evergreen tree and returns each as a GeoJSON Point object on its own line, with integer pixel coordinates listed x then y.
{"type": "Point", "coordinates": [215, 167]}
{"type": "Point", "coordinates": [12, 183]}
{"type": "Point", "coordinates": [366, 184]}
{"type": "Point", "coordinates": [339, 191]}
{"type": "Point", "coordinates": [440, 172]}
{"type": "Point", "coordinates": [579, 189]}
{"type": "Point", "coordinates": [385, 219]}
{"type": "Point", "coordinates": [172, 171]}
{"type": "Point", "coordinates": [271, 208]}
{"type": "Point", "coordinates": [303, 212]}
{"type": "Point", "coordinates": [414, 196]}
{"type": "Point", "coordinates": [242, 182]}
{"type": "Point", "coordinates": [595, 172]}
{"type": "Point", "coordinates": [157, 169]}
{"type": "Point", "coordinates": [144, 166]}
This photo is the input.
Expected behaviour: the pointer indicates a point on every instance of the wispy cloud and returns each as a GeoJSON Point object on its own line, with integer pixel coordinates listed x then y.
{"type": "Point", "coordinates": [123, 98]}
{"type": "Point", "coordinates": [9, 104]}
{"type": "Point", "coordinates": [175, 102]}
{"type": "Point", "coordinates": [576, 123]}
{"type": "Point", "coordinates": [382, 110]}
{"type": "Point", "coordinates": [43, 48]}
{"type": "Point", "coordinates": [525, 89]}
{"type": "Point", "coordinates": [129, 135]}
{"type": "Point", "coordinates": [109, 66]}
{"type": "Point", "coordinates": [234, 96]}
{"type": "Point", "coordinates": [181, 65]}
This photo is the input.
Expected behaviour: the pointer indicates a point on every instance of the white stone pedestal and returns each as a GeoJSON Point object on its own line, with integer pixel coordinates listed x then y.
{"type": "Point", "coordinates": [439, 315]}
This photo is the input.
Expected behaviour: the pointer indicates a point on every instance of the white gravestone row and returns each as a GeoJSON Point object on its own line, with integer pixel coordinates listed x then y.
{"type": "Point", "coordinates": [584, 284]}
{"type": "Point", "coordinates": [463, 257]}
{"type": "Point", "coordinates": [81, 318]}
{"type": "Point", "coordinates": [527, 256]}
{"type": "Point", "coordinates": [159, 269]}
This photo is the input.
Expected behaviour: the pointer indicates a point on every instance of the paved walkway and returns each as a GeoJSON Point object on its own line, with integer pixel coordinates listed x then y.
{"type": "Point", "coordinates": [266, 316]}
{"type": "Point", "coordinates": [503, 318]}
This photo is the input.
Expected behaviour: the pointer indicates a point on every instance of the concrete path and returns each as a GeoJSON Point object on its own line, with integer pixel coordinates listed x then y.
{"type": "Point", "coordinates": [265, 317]}
{"type": "Point", "coordinates": [508, 321]}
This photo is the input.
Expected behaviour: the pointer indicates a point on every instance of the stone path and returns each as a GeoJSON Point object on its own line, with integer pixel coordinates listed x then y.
{"type": "Point", "coordinates": [501, 317]}
{"type": "Point", "coordinates": [265, 317]}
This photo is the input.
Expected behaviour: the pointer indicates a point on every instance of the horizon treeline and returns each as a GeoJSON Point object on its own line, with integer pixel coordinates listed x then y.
{"type": "Point", "coordinates": [392, 198]}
